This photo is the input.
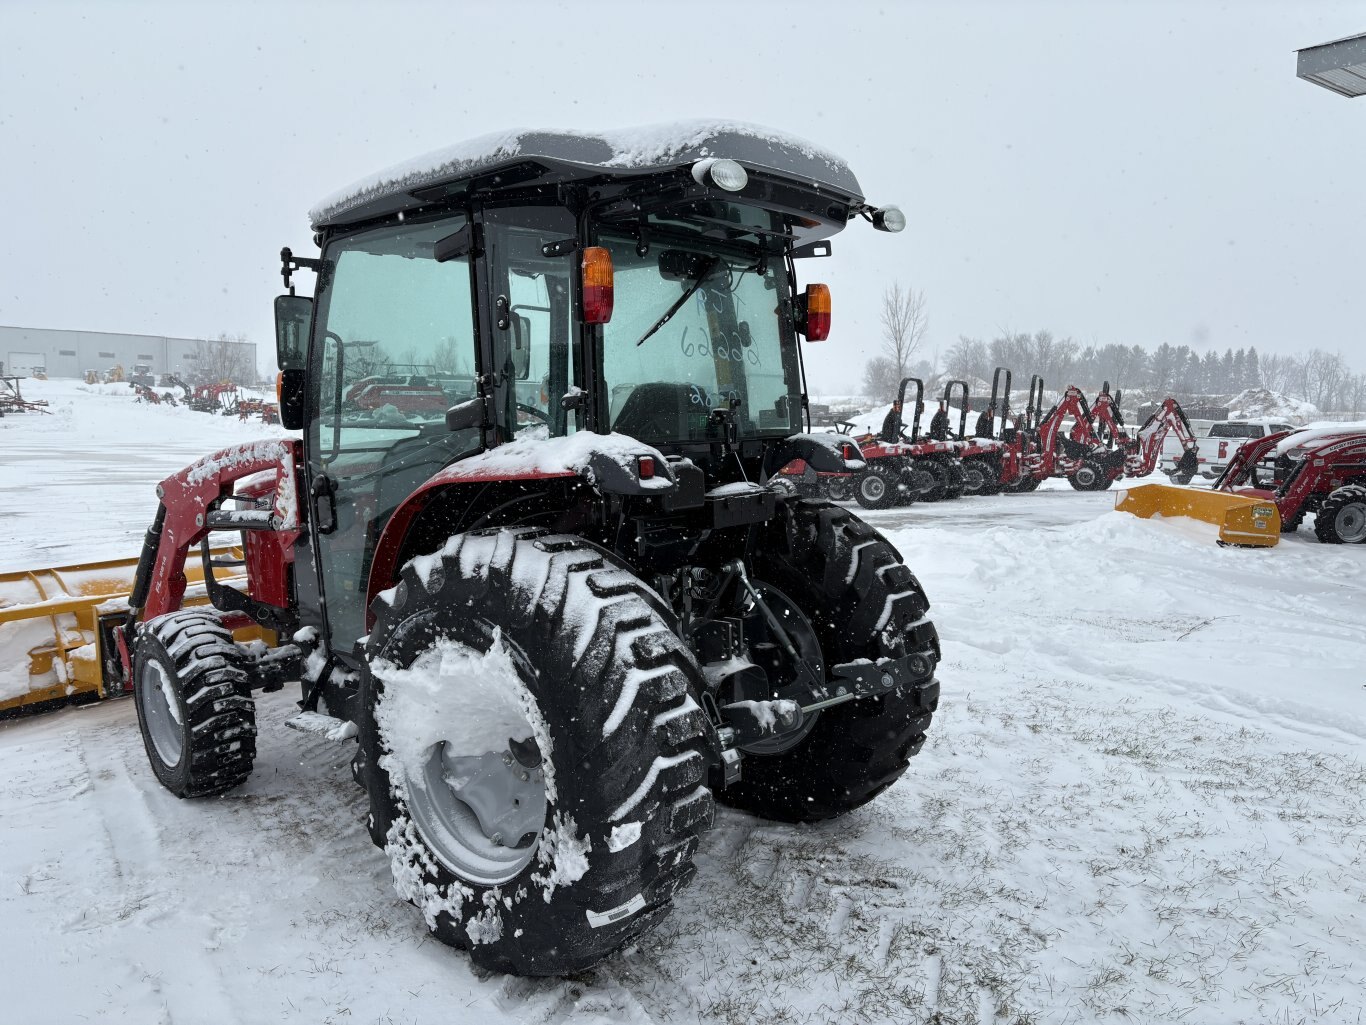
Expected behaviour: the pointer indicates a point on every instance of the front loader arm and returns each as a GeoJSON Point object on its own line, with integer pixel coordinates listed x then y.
{"type": "Point", "coordinates": [190, 508]}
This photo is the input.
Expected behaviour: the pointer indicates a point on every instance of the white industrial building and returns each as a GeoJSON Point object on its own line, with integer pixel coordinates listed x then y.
{"type": "Point", "coordinates": [61, 353]}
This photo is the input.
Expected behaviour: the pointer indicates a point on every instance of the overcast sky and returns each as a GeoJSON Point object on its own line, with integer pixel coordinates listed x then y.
{"type": "Point", "coordinates": [1117, 172]}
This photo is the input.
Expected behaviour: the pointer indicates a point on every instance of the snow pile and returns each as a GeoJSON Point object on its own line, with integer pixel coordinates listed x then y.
{"type": "Point", "coordinates": [871, 421]}
{"type": "Point", "coordinates": [1255, 403]}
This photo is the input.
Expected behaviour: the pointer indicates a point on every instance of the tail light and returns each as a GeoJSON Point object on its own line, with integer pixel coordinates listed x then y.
{"type": "Point", "coordinates": [817, 313]}
{"type": "Point", "coordinates": [1223, 449]}
{"type": "Point", "coordinates": [645, 467]}
{"type": "Point", "coordinates": [851, 454]}
{"type": "Point", "coordinates": [597, 285]}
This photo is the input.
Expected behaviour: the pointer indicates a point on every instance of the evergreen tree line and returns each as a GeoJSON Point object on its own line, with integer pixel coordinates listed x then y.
{"type": "Point", "coordinates": [1316, 376]}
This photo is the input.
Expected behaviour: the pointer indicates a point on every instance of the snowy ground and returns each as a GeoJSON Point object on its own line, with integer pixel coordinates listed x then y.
{"type": "Point", "coordinates": [1141, 802]}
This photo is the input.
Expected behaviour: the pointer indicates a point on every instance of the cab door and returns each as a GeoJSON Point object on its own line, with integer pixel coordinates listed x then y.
{"type": "Point", "coordinates": [394, 347]}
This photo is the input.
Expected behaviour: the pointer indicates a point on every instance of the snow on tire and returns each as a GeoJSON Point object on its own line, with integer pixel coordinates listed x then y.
{"type": "Point", "coordinates": [864, 603]}
{"type": "Point", "coordinates": [193, 696]}
{"type": "Point", "coordinates": [606, 691]}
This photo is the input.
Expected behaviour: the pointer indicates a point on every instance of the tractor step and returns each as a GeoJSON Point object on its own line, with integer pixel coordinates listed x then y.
{"type": "Point", "coordinates": [324, 725]}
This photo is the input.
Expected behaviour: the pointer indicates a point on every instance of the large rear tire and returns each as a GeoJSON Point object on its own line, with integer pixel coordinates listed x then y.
{"type": "Point", "coordinates": [957, 482]}
{"type": "Point", "coordinates": [939, 490]}
{"type": "Point", "coordinates": [1089, 476]}
{"type": "Point", "coordinates": [621, 747]}
{"type": "Point", "coordinates": [980, 477]}
{"type": "Point", "coordinates": [192, 690]}
{"type": "Point", "coordinates": [863, 603]}
{"type": "Point", "coordinates": [1341, 517]}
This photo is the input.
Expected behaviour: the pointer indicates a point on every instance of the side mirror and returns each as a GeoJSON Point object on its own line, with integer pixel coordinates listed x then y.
{"type": "Point", "coordinates": [467, 415]}
{"type": "Point", "coordinates": [293, 315]}
{"type": "Point", "coordinates": [521, 346]}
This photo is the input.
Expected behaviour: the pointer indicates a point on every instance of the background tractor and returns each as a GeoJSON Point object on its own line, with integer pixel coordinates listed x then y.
{"type": "Point", "coordinates": [562, 608]}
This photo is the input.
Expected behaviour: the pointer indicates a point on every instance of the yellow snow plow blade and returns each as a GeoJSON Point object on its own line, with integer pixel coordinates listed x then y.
{"type": "Point", "coordinates": [57, 626]}
{"type": "Point", "coordinates": [1241, 519]}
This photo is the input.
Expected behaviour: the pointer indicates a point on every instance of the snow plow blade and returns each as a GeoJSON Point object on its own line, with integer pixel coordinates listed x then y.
{"type": "Point", "coordinates": [1242, 520]}
{"type": "Point", "coordinates": [57, 628]}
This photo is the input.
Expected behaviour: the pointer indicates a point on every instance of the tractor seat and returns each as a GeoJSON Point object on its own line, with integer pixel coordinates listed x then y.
{"type": "Point", "coordinates": [658, 410]}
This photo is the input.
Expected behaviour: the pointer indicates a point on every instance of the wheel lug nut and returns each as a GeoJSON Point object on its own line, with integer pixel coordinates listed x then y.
{"type": "Point", "coordinates": [497, 838]}
{"type": "Point", "coordinates": [524, 775]}
{"type": "Point", "coordinates": [507, 757]}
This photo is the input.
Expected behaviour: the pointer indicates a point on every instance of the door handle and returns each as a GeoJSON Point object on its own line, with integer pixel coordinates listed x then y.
{"type": "Point", "coordinates": [324, 492]}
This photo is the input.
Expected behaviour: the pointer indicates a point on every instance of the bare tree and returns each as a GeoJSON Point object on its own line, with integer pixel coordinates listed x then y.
{"type": "Point", "coordinates": [1354, 392]}
{"type": "Point", "coordinates": [1323, 377]}
{"type": "Point", "coordinates": [1277, 372]}
{"type": "Point", "coordinates": [903, 326]}
{"type": "Point", "coordinates": [226, 358]}
{"type": "Point", "coordinates": [967, 358]}
{"type": "Point", "coordinates": [880, 380]}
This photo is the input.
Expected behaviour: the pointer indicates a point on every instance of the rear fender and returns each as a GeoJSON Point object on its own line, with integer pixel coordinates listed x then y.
{"type": "Point", "coordinates": [522, 481]}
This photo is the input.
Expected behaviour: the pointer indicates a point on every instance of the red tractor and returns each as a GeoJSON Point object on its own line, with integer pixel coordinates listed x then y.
{"type": "Point", "coordinates": [560, 629]}
{"type": "Point", "coordinates": [1322, 471]}
{"type": "Point", "coordinates": [982, 458]}
{"type": "Point", "coordinates": [901, 467]}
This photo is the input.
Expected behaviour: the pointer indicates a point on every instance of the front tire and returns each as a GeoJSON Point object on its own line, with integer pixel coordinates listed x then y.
{"type": "Point", "coordinates": [875, 489]}
{"type": "Point", "coordinates": [608, 690]}
{"type": "Point", "coordinates": [193, 695]}
{"type": "Point", "coordinates": [1341, 517]}
{"type": "Point", "coordinates": [1089, 476]}
{"type": "Point", "coordinates": [863, 603]}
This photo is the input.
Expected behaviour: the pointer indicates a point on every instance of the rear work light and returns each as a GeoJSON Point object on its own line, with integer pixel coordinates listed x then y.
{"type": "Point", "coordinates": [817, 313]}
{"type": "Point", "coordinates": [597, 285]}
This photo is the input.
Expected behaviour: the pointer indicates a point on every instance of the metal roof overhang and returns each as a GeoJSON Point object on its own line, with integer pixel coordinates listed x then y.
{"type": "Point", "coordinates": [1339, 65]}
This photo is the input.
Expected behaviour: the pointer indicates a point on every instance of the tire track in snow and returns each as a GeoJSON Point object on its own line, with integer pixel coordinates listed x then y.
{"type": "Point", "coordinates": [181, 975]}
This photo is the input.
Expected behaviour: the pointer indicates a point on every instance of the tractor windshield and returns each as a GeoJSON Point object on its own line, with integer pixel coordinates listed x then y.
{"type": "Point", "coordinates": [696, 329]}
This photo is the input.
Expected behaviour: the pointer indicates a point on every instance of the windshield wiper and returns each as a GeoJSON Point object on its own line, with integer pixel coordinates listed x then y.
{"type": "Point", "coordinates": [688, 293]}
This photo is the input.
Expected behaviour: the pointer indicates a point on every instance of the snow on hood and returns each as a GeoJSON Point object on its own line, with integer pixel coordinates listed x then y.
{"type": "Point", "coordinates": [625, 148]}
{"type": "Point", "coordinates": [1311, 436]}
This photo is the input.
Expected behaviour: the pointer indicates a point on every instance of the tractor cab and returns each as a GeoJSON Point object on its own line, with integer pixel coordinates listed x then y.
{"type": "Point", "coordinates": [562, 289]}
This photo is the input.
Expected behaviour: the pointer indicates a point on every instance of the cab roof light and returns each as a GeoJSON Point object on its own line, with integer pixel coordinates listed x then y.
{"type": "Point", "coordinates": [724, 174]}
{"type": "Point", "coordinates": [817, 313]}
{"type": "Point", "coordinates": [889, 218]}
{"type": "Point", "coordinates": [597, 285]}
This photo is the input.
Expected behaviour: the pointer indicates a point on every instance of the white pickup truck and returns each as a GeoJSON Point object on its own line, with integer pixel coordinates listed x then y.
{"type": "Point", "coordinates": [1219, 440]}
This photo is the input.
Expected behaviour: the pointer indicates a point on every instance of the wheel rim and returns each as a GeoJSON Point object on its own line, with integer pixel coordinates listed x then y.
{"type": "Point", "coordinates": [1350, 523]}
{"type": "Point", "coordinates": [481, 811]}
{"type": "Point", "coordinates": [1086, 476]}
{"type": "Point", "coordinates": [873, 487]}
{"type": "Point", "coordinates": [973, 479]}
{"type": "Point", "coordinates": [161, 712]}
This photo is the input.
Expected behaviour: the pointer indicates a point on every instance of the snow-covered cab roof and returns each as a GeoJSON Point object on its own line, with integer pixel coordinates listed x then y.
{"type": "Point", "coordinates": [547, 156]}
